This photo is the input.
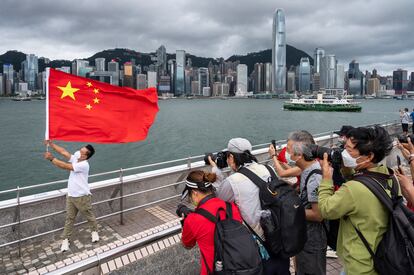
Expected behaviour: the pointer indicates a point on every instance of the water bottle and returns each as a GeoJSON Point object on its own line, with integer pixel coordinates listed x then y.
{"type": "Point", "coordinates": [219, 265]}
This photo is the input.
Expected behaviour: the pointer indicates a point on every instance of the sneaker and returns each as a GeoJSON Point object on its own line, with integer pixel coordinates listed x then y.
{"type": "Point", "coordinates": [95, 236]}
{"type": "Point", "coordinates": [65, 245]}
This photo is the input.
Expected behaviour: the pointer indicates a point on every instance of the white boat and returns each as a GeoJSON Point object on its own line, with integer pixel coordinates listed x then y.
{"type": "Point", "coordinates": [322, 104]}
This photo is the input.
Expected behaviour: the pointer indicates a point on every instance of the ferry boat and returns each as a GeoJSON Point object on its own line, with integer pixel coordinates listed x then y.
{"type": "Point", "coordinates": [322, 104]}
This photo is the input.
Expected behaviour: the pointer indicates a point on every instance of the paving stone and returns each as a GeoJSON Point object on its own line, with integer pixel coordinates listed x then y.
{"type": "Point", "coordinates": [118, 263]}
{"type": "Point", "coordinates": [104, 268]}
{"type": "Point", "coordinates": [125, 259]}
{"type": "Point", "coordinates": [111, 265]}
{"type": "Point", "coordinates": [132, 257]}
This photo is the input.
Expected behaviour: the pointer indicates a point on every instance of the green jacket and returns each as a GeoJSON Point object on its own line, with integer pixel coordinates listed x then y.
{"type": "Point", "coordinates": [354, 204]}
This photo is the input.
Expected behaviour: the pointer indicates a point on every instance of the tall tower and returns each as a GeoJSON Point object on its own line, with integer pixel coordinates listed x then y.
{"type": "Point", "coordinates": [319, 54]}
{"type": "Point", "coordinates": [279, 52]}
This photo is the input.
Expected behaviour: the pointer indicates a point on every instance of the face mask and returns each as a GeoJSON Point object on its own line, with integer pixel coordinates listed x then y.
{"type": "Point", "coordinates": [290, 161]}
{"type": "Point", "coordinates": [348, 160]}
{"type": "Point", "coordinates": [77, 154]}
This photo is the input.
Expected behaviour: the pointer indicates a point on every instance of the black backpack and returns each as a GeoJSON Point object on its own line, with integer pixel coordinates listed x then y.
{"type": "Point", "coordinates": [331, 227]}
{"type": "Point", "coordinates": [285, 229]}
{"type": "Point", "coordinates": [235, 250]}
{"type": "Point", "coordinates": [395, 252]}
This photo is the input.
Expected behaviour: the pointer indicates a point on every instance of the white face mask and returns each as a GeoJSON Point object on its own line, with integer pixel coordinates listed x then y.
{"type": "Point", "coordinates": [290, 161]}
{"type": "Point", "coordinates": [348, 160]}
{"type": "Point", "coordinates": [77, 154]}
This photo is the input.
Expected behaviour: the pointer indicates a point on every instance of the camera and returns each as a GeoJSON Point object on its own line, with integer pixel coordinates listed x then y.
{"type": "Point", "coordinates": [183, 210]}
{"type": "Point", "coordinates": [403, 138]}
{"type": "Point", "coordinates": [220, 158]}
{"type": "Point", "coordinates": [334, 154]}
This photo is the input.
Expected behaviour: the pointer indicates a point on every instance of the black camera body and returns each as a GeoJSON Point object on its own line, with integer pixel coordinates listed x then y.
{"type": "Point", "coordinates": [183, 210]}
{"type": "Point", "coordinates": [403, 138]}
{"type": "Point", "coordinates": [220, 158]}
{"type": "Point", "coordinates": [334, 154]}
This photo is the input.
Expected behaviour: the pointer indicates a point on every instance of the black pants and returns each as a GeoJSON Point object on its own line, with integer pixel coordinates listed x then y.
{"type": "Point", "coordinates": [276, 266]}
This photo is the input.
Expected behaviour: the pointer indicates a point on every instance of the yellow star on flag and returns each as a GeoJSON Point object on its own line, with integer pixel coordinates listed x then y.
{"type": "Point", "coordinates": [68, 91]}
{"type": "Point", "coordinates": [88, 106]}
{"type": "Point", "coordinates": [96, 100]}
{"type": "Point", "coordinates": [89, 84]}
{"type": "Point", "coordinates": [96, 91]}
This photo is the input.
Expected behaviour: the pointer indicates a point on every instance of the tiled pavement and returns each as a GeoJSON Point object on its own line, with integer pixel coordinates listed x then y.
{"type": "Point", "coordinates": [43, 256]}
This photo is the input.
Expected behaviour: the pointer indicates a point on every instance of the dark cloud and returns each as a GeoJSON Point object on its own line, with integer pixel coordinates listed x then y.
{"type": "Point", "coordinates": [376, 33]}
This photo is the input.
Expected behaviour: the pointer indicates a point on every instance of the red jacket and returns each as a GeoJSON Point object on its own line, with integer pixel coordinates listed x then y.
{"type": "Point", "coordinates": [197, 229]}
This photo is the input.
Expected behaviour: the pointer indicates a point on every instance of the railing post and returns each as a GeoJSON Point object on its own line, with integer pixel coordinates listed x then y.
{"type": "Point", "coordinates": [19, 234]}
{"type": "Point", "coordinates": [189, 162]}
{"type": "Point", "coordinates": [331, 140]}
{"type": "Point", "coordinates": [121, 201]}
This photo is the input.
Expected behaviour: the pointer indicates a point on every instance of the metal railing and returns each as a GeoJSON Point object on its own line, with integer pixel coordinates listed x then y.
{"type": "Point", "coordinates": [16, 225]}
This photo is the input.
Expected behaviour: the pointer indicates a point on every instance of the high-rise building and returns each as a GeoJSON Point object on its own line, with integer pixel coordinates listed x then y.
{"type": "Point", "coordinates": [328, 71]}
{"type": "Point", "coordinates": [400, 81]}
{"type": "Point", "coordinates": [77, 64]}
{"type": "Point", "coordinates": [161, 57]}
{"type": "Point", "coordinates": [128, 75]}
{"type": "Point", "coordinates": [354, 87]}
{"type": "Point", "coordinates": [411, 83]}
{"type": "Point", "coordinates": [279, 52]}
{"type": "Point", "coordinates": [100, 64]}
{"type": "Point", "coordinates": [64, 69]}
{"type": "Point", "coordinates": [268, 77]}
{"type": "Point", "coordinates": [340, 76]}
{"type": "Point", "coordinates": [113, 68]}
{"type": "Point", "coordinates": [141, 81]}
{"type": "Point", "coordinates": [316, 82]}
{"type": "Point", "coordinates": [220, 89]}
{"type": "Point", "coordinates": [152, 79]}
{"type": "Point", "coordinates": [195, 87]}
{"type": "Point", "coordinates": [31, 69]}
{"type": "Point", "coordinates": [164, 85]}
{"type": "Point", "coordinates": [258, 78]}
{"type": "Point", "coordinates": [373, 86]}
{"type": "Point", "coordinates": [353, 71]}
{"type": "Point", "coordinates": [291, 87]}
{"type": "Point", "coordinates": [203, 79]}
{"type": "Point", "coordinates": [241, 89]}
{"type": "Point", "coordinates": [319, 54]}
{"type": "Point", "coordinates": [304, 75]}
{"type": "Point", "coordinates": [2, 86]}
{"type": "Point", "coordinates": [8, 72]}
{"type": "Point", "coordinates": [179, 73]}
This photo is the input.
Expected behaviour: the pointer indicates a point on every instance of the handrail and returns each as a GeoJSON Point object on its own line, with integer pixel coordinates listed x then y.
{"type": "Point", "coordinates": [166, 162]}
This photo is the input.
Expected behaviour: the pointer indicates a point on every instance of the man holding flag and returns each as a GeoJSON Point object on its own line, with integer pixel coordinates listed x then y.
{"type": "Point", "coordinates": [81, 109]}
{"type": "Point", "coordinates": [79, 198]}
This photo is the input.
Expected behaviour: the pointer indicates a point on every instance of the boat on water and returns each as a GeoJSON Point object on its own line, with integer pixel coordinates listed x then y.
{"type": "Point", "coordinates": [21, 98]}
{"type": "Point", "coordinates": [322, 104]}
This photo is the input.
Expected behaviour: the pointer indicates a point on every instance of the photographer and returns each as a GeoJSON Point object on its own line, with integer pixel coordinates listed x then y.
{"type": "Point", "coordinates": [407, 187]}
{"type": "Point", "coordinates": [241, 190]}
{"type": "Point", "coordinates": [354, 204]}
{"type": "Point", "coordinates": [196, 228]}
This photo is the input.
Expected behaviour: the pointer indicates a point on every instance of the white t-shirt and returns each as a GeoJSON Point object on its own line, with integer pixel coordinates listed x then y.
{"type": "Point", "coordinates": [78, 179]}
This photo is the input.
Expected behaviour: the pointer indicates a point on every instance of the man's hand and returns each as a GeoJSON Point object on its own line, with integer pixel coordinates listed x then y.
{"type": "Point", "coordinates": [48, 156]}
{"type": "Point", "coordinates": [272, 151]}
{"type": "Point", "coordinates": [327, 170]}
{"type": "Point", "coordinates": [47, 142]}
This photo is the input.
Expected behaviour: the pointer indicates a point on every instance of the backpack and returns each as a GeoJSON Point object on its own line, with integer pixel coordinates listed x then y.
{"type": "Point", "coordinates": [235, 250]}
{"type": "Point", "coordinates": [331, 227]}
{"type": "Point", "coordinates": [285, 226]}
{"type": "Point", "coordinates": [395, 252]}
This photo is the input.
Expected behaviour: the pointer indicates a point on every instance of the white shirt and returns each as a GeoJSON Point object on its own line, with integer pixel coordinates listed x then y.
{"type": "Point", "coordinates": [405, 118]}
{"type": "Point", "coordinates": [241, 190]}
{"type": "Point", "coordinates": [78, 179]}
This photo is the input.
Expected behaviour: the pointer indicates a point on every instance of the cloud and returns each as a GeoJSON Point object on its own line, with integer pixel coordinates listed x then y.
{"type": "Point", "coordinates": [376, 33]}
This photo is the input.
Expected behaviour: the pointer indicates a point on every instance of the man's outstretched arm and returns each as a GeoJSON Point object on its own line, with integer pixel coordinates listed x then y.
{"type": "Point", "coordinates": [58, 149]}
{"type": "Point", "coordinates": [58, 163]}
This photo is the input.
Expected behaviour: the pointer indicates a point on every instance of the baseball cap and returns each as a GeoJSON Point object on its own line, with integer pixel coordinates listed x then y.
{"type": "Point", "coordinates": [344, 130]}
{"type": "Point", "coordinates": [193, 185]}
{"type": "Point", "coordinates": [239, 145]}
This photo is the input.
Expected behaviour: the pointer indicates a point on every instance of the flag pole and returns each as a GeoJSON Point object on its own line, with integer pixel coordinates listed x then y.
{"type": "Point", "coordinates": [47, 107]}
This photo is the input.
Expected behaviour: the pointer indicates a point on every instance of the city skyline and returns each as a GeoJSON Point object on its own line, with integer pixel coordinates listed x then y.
{"type": "Point", "coordinates": [67, 30]}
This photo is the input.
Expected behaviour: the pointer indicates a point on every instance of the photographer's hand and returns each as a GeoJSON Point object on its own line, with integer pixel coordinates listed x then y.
{"type": "Point", "coordinates": [212, 162]}
{"type": "Point", "coordinates": [272, 151]}
{"type": "Point", "coordinates": [327, 170]}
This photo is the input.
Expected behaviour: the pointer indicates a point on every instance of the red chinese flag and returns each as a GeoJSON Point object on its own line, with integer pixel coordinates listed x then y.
{"type": "Point", "coordinates": [81, 109]}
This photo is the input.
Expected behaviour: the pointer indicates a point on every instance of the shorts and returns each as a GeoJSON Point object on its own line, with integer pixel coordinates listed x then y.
{"type": "Point", "coordinates": [404, 127]}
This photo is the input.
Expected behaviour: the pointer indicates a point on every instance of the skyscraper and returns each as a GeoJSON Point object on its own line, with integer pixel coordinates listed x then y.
{"type": "Point", "coordinates": [279, 52]}
{"type": "Point", "coordinates": [258, 77]}
{"type": "Point", "coordinates": [304, 75]}
{"type": "Point", "coordinates": [179, 73]}
{"type": "Point", "coordinates": [328, 71]}
{"type": "Point", "coordinates": [152, 79]}
{"type": "Point", "coordinates": [128, 75]}
{"type": "Point", "coordinates": [340, 77]}
{"type": "Point", "coordinates": [161, 56]}
{"type": "Point", "coordinates": [291, 81]}
{"type": "Point", "coordinates": [319, 54]}
{"type": "Point", "coordinates": [141, 81]}
{"type": "Point", "coordinates": [268, 77]}
{"type": "Point", "coordinates": [100, 64]}
{"type": "Point", "coordinates": [203, 80]}
{"type": "Point", "coordinates": [241, 89]}
{"type": "Point", "coordinates": [77, 64]}
{"type": "Point", "coordinates": [400, 81]}
{"type": "Point", "coordinates": [31, 70]}
{"type": "Point", "coordinates": [113, 67]}
{"type": "Point", "coordinates": [8, 72]}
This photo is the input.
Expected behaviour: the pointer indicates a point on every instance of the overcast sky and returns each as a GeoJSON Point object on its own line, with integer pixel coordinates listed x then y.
{"type": "Point", "coordinates": [377, 33]}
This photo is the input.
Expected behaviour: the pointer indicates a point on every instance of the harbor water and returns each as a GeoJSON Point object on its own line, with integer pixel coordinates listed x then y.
{"type": "Point", "coordinates": [182, 128]}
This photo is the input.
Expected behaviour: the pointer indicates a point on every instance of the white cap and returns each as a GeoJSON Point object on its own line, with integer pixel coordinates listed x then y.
{"type": "Point", "coordinates": [239, 145]}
